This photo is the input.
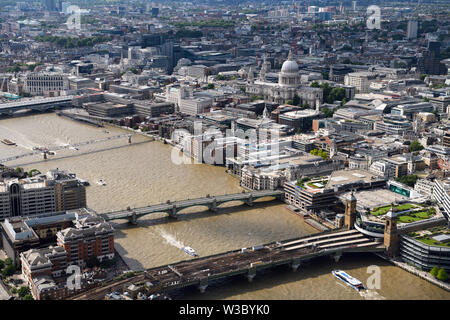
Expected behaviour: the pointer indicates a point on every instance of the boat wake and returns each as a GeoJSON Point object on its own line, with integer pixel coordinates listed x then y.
{"type": "Point", "coordinates": [371, 295]}
{"type": "Point", "coordinates": [170, 239]}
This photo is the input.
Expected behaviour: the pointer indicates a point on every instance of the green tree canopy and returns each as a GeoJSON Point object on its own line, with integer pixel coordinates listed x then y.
{"type": "Point", "coordinates": [8, 271]}
{"type": "Point", "coordinates": [327, 112]}
{"type": "Point", "coordinates": [434, 271]}
{"type": "Point", "coordinates": [23, 291]}
{"type": "Point", "coordinates": [409, 180]}
{"type": "Point", "coordinates": [442, 275]}
{"type": "Point", "coordinates": [415, 146]}
{"type": "Point", "coordinates": [319, 152]}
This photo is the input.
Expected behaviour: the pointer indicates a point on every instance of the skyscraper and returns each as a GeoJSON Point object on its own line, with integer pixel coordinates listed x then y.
{"type": "Point", "coordinates": [430, 63]}
{"type": "Point", "coordinates": [411, 32]}
{"type": "Point", "coordinates": [50, 5]}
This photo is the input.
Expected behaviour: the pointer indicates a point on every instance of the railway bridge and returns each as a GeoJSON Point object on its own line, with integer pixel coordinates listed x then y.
{"type": "Point", "coordinates": [36, 104]}
{"type": "Point", "coordinates": [202, 271]}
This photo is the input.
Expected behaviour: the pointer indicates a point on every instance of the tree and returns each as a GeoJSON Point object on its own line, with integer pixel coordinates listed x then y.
{"type": "Point", "coordinates": [319, 152]}
{"type": "Point", "coordinates": [19, 170]}
{"type": "Point", "coordinates": [296, 100]}
{"type": "Point", "coordinates": [27, 297]}
{"type": "Point", "coordinates": [442, 275]}
{"type": "Point", "coordinates": [434, 271]}
{"type": "Point", "coordinates": [423, 76]}
{"type": "Point", "coordinates": [415, 146]}
{"type": "Point", "coordinates": [2, 264]}
{"type": "Point", "coordinates": [290, 102]}
{"type": "Point", "coordinates": [327, 112]}
{"type": "Point", "coordinates": [315, 84]}
{"type": "Point", "coordinates": [8, 271]}
{"type": "Point", "coordinates": [336, 94]}
{"type": "Point", "coordinates": [326, 91]}
{"type": "Point", "coordinates": [23, 291]}
{"type": "Point", "coordinates": [210, 86]}
{"type": "Point", "coordinates": [409, 180]}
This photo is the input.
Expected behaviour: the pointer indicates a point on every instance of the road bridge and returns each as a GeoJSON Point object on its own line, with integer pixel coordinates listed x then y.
{"type": "Point", "coordinates": [246, 261]}
{"type": "Point", "coordinates": [172, 208]}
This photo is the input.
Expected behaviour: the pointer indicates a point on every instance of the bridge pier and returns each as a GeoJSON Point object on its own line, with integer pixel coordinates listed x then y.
{"type": "Point", "coordinates": [213, 206]}
{"type": "Point", "coordinates": [203, 285]}
{"type": "Point", "coordinates": [129, 139]}
{"type": "Point", "coordinates": [133, 219]}
{"type": "Point", "coordinates": [295, 265]}
{"type": "Point", "coordinates": [337, 256]}
{"type": "Point", "coordinates": [249, 201]}
{"type": "Point", "coordinates": [251, 274]}
{"type": "Point", "coordinates": [45, 155]}
{"type": "Point", "coordinates": [173, 212]}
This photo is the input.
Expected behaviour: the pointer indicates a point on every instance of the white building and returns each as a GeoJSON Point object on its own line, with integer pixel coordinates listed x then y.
{"type": "Point", "coordinates": [382, 169]}
{"type": "Point", "coordinates": [40, 83]}
{"type": "Point", "coordinates": [288, 86]}
{"type": "Point", "coordinates": [360, 80]}
{"type": "Point", "coordinates": [441, 195]}
{"type": "Point", "coordinates": [424, 186]}
{"type": "Point", "coordinates": [186, 101]}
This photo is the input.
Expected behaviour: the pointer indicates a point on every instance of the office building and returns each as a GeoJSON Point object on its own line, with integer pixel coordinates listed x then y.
{"type": "Point", "coordinates": [411, 31]}
{"type": "Point", "coordinates": [57, 191]}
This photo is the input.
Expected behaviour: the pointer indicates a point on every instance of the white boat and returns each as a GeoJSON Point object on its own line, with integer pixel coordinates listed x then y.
{"type": "Point", "coordinates": [190, 251]}
{"type": "Point", "coordinates": [348, 280]}
{"type": "Point", "coordinates": [73, 148]}
{"type": "Point", "coordinates": [101, 182]}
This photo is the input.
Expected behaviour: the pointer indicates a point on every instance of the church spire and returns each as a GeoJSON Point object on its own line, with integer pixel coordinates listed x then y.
{"type": "Point", "coordinates": [290, 57]}
{"type": "Point", "coordinates": [266, 113]}
{"type": "Point", "coordinates": [251, 75]}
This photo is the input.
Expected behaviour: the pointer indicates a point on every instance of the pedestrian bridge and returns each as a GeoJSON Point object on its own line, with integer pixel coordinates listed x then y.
{"type": "Point", "coordinates": [210, 202]}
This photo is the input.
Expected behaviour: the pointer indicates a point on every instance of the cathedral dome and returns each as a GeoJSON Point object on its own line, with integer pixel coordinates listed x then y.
{"type": "Point", "coordinates": [289, 66]}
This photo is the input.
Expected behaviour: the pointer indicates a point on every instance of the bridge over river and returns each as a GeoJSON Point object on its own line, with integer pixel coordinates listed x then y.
{"type": "Point", "coordinates": [210, 202]}
{"type": "Point", "coordinates": [246, 261]}
{"type": "Point", "coordinates": [41, 104]}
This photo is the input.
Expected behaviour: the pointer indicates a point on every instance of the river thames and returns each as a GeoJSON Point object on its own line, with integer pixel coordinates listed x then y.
{"type": "Point", "coordinates": [142, 173]}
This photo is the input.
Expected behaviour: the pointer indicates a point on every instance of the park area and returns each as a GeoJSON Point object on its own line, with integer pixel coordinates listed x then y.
{"type": "Point", "coordinates": [436, 236]}
{"type": "Point", "coordinates": [412, 212]}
